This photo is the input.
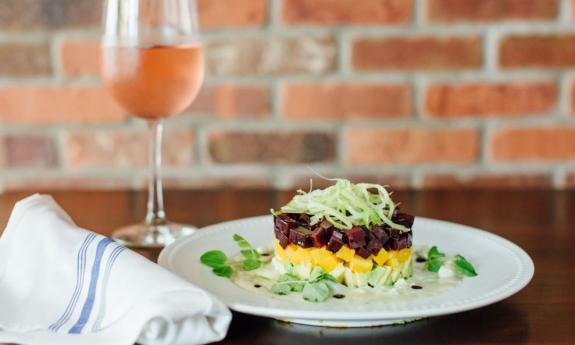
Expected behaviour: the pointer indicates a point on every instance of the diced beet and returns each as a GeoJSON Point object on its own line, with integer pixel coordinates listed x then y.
{"type": "Point", "coordinates": [300, 236]}
{"type": "Point", "coordinates": [380, 233]}
{"type": "Point", "coordinates": [364, 253]}
{"type": "Point", "coordinates": [406, 240]}
{"type": "Point", "coordinates": [282, 238]}
{"type": "Point", "coordinates": [326, 224]}
{"type": "Point", "coordinates": [319, 237]}
{"type": "Point", "coordinates": [284, 223]}
{"type": "Point", "coordinates": [355, 237]}
{"type": "Point", "coordinates": [304, 219]}
{"type": "Point", "coordinates": [394, 236]}
{"type": "Point", "coordinates": [399, 240]}
{"type": "Point", "coordinates": [335, 242]}
{"type": "Point", "coordinates": [328, 233]}
{"type": "Point", "coordinates": [403, 219]}
{"type": "Point", "coordinates": [374, 246]}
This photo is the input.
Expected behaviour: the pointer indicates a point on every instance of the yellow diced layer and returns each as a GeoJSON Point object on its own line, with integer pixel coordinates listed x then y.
{"type": "Point", "coordinates": [360, 265]}
{"type": "Point", "coordinates": [279, 251]}
{"type": "Point", "coordinates": [381, 257]}
{"type": "Point", "coordinates": [328, 260]}
{"type": "Point", "coordinates": [300, 256]}
{"type": "Point", "coordinates": [404, 254]}
{"type": "Point", "coordinates": [345, 253]}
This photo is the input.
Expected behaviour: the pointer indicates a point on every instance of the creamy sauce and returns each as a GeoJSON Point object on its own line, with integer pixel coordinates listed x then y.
{"type": "Point", "coordinates": [422, 283]}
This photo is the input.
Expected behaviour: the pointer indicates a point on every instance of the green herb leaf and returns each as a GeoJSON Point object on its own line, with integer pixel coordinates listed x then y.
{"type": "Point", "coordinates": [319, 275]}
{"type": "Point", "coordinates": [434, 253]}
{"type": "Point", "coordinates": [214, 259]}
{"type": "Point", "coordinates": [250, 254]}
{"type": "Point", "coordinates": [316, 292]}
{"type": "Point", "coordinates": [241, 242]}
{"type": "Point", "coordinates": [434, 259]}
{"type": "Point", "coordinates": [250, 265]}
{"type": "Point", "coordinates": [464, 267]}
{"type": "Point", "coordinates": [316, 274]}
{"type": "Point", "coordinates": [294, 283]}
{"type": "Point", "coordinates": [281, 289]}
{"type": "Point", "coordinates": [223, 271]}
{"type": "Point", "coordinates": [433, 265]}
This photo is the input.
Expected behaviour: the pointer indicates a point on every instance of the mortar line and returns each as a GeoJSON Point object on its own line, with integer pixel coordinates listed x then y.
{"type": "Point", "coordinates": [564, 86]}
{"type": "Point", "coordinates": [564, 12]}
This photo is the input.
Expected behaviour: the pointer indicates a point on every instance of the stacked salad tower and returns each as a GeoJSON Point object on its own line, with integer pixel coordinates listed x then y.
{"type": "Point", "coordinates": [354, 232]}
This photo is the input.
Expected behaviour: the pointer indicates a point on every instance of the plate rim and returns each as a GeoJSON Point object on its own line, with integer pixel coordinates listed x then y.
{"type": "Point", "coordinates": [512, 287]}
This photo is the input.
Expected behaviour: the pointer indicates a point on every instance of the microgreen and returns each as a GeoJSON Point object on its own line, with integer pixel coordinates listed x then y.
{"type": "Point", "coordinates": [435, 259]}
{"type": "Point", "coordinates": [464, 267]}
{"type": "Point", "coordinates": [316, 292]}
{"type": "Point", "coordinates": [220, 264]}
{"type": "Point", "coordinates": [314, 289]}
{"type": "Point", "coordinates": [218, 261]}
{"type": "Point", "coordinates": [251, 256]}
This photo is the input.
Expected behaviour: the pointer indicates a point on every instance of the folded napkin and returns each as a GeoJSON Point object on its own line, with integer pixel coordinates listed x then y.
{"type": "Point", "coordinates": [60, 284]}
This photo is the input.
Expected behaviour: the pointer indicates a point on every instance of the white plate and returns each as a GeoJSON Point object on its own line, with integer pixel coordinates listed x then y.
{"type": "Point", "coordinates": [503, 269]}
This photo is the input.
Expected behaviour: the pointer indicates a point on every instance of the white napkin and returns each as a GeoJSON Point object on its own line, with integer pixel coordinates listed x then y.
{"type": "Point", "coordinates": [60, 284]}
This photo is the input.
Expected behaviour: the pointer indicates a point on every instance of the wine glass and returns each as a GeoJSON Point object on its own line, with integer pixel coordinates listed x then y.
{"type": "Point", "coordinates": [152, 64]}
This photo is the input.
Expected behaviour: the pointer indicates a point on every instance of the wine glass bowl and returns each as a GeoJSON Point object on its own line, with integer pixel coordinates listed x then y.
{"type": "Point", "coordinates": [152, 64]}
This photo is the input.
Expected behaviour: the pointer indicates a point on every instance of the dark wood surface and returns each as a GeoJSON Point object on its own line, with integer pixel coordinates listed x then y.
{"type": "Point", "coordinates": [541, 222]}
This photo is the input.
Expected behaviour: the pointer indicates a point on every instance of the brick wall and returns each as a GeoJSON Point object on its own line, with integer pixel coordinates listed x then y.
{"type": "Point", "coordinates": [421, 93]}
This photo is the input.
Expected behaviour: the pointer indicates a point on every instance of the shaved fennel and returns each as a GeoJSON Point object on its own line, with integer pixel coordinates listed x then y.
{"type": "Point", "coordinates": [346, 204]}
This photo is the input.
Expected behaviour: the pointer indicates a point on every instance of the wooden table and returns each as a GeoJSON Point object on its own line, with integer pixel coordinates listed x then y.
{"type": "Point", "coordinates": [542, 222]}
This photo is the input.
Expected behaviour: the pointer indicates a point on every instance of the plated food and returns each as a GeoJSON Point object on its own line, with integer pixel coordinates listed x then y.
{"type": "Point", "coordinates": [353, 231]}
{"type": "Point", "coordinates": [347, 240]}
{"type": "Point", "coordinates": [242, 274]}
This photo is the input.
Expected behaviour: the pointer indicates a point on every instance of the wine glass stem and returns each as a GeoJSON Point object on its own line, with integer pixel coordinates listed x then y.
{"type": "Point", "coordinates": [155, 214]}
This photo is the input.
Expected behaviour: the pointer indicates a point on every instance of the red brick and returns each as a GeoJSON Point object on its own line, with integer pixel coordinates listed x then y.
{"type": "Point", "coordinates": [275, 146]}
{"type": "Point", "coordinates": [546, 143]}
{"type": "Point", "coordinates": [232, 13]}
{"type": "Point", "coordinates": [66, 183]}
{"type": "Point", "coordinates": [515, 98]}
{"type": "Point", "coordinates": [537, 51]}
{"type": "Point", "coordinates": [232, 101]}
{"type": "Point", "coordinates": [97, 149]}
{"type": "Point", "coordinates": [24, 59]}
{"type": "Point", "coordinates": [51, 14]}
{"type": "Point", "coordinates": [345, 100]}
{"type": "Point", "coordinates": [30, 151]}
{"type": "Point", "coordinates": [570, 180]}
{"type": "Point", "coordinates": [80, 57]}
{"type": "Point", "coordinates": [487, 181]}
{"type": "Point", "coordinates": [57, 104]}
{"type": "Point", "coordinates": [411, 145]}
{"type": "Point", "coordinates": [423, 53]}
{"type": "Point", "coordinates": [343, 12]}
{"type": "Point", "coordinates": [271, 55]}
{"type": "Point", "coordinates": [215, 180]}
{"type": "Point", "coordinates": [491, 10]}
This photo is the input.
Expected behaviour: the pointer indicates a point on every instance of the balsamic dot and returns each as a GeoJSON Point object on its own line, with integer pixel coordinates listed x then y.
{"type": "Point", "coordinates": [338, 296]}
{"type": "Point", "coordinates": [257, 286]}
{"type": "Point", "coordinates": [265, 254]}
{"type": "Point", "coordinates": [420, 259]}
{"type": "Point", "coordinates": [416, 287]}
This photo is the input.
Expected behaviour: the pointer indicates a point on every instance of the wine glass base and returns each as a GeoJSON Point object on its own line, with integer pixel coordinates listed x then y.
{"type": "Point", "coordinates": [145, 237]}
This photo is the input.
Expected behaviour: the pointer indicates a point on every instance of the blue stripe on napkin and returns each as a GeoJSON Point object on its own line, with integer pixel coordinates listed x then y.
{"type": "Point", "coordinates": [80, 271]}
{"type": "Point", "coordinates": [89, 302]}
{"type": "Point", "coordinates": [102, 308]}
